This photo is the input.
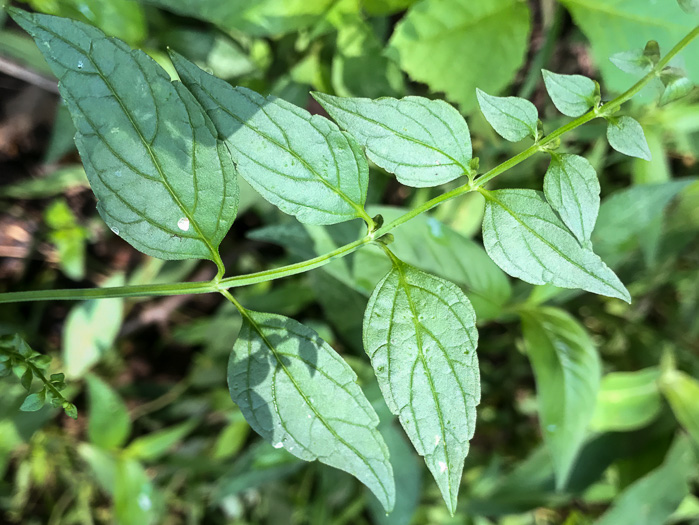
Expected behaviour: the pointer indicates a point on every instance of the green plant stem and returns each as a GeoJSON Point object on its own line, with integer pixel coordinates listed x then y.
{"type": "Point", "coordinates": [316, 262]}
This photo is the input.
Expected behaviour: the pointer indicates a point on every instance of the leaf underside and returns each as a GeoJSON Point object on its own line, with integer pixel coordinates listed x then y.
{"type": "Point", "coordinates": [523, 235]}
{"type": "Point", "coordinates": [301, 163]}
{"type": "Point", "coordinates": [423, 142]}
{"type": "Point", "coordinates": [162, 179]}
{"type": "Point", "coordinates": [419, 331]}
{"type": "Point", "coordinates": [298, 393]}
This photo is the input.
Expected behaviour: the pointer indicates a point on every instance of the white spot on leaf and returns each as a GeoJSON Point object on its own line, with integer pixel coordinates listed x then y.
{"type": "Point", "coordinates": [114, 229]}
{"type": "Point", "coordinates": [278, 445]}
{"type": "Point", "coordinates": [436, 439]}
{"type": "Point", "coordinates": [183, 224]}
{"type": "Point", "coordinates": [80, 64]}
{"type": "Point", "coordinates": [442, 467]}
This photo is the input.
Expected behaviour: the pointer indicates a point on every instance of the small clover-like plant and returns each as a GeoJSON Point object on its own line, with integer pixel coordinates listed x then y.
{"type": "Point", "coordinates": [163, 159]}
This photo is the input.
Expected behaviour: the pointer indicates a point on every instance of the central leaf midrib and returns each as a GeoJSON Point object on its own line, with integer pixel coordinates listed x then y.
{"type": "Point", "coordinates": [320, 417]}
{"type": "Point", "coordinates": [336, 190]}
{"type": "Point", "coordinates": [156, 163]}
{"type": "Point", "coordinates": [418, 339]}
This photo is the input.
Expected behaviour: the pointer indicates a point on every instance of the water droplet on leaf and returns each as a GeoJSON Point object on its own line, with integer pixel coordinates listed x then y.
{"type": "Point", "coordinates": [183, 224]}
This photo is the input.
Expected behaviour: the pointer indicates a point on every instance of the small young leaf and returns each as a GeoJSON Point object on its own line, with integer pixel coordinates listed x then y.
{"type": "Point", "coordinates": [34, 402]}
{"type": "Point", "coordinates": [162, 180]}
{"type": "Point", "coordinates": [626, 136]}
{"type": "Point", "coordinates": [572, 188]}
{"type": "Point", "coordinates": [677, 85]}
{"type": "Point", "coordinates": [512, 118]}
{"type": "Point", "coordinates": [27, 378]}
{"type": "Point", "coordinates": [633, 61]}
{"type": "Point", "coordinates": [298, 393]}
{"type": "Point", "coordinates": [41, 361]}
{"type": "Point", "coordinates": [420, 333]}
{"type": "Point", "coordinates": [523, 235]}
{"type": "Point", "coordinates": [299, 162]}
{"type": "Point", "coordinates": [108, 424]}
{"type": "Point", "coordinates": [423, 142]}
{"type": "Point", "coordinates": [567, 371]}
{"type": "Point", "coordinates": [70, 410]}
{"type": "Point", "coordinates": [572, 95]}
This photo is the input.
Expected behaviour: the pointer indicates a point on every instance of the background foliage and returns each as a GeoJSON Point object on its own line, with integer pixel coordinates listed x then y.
{"type": "Point", "coordinates": [158, 439]}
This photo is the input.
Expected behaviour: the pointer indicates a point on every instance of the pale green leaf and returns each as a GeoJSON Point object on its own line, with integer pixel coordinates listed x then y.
{"type": "Point", "coordinates": [571, 187]}
{"type": "Point", "coordinates": [633, 61]}
{"type": "Point", "coordinates": [297, 393]}
{"type": "Point", "coordinates": [572, 95]}
{"type": "Point", "coordinates": [135, 499]}
{"type": "Point", "coordinates": [163, 181]}
{"type": "Point", "coordinates": [423, 142]}
{"type": "Point", "coordinates": [690, 6]}
{"type": "Point", "coordinates": [512, 118]}
{"type": "Point", "coordinates": [90, 331]}
{"type": "Point", "coordinates": [420, 333]}
{"type": "Point", "coordinates": [385, 7]}
{"type": "Point", "coordinates": [612, 26]}
{"type": "Point", "coordinates": [33, 402]}
{"type": "Point", "coordinates": [682, 393]}
{"type": "Point", "coordinates": [567, 371]}
{"type": "Point", "coordinates": [108, 423]}
{"type": "Point", "coordinates": [153, 445]}
{"type": "Point", "coordinates": [652, 498]}
{"type": "Point", "coordinates": [523, 235]}
{"type": "Point", "coordinates": [300, 162]}
{"type": "Point", "coordinates": [676, 88]}
{"type": "Point", "coordinates": [443, 45]}
{"type": "Point", "coordinates": [627, 401]}
{"type": "Point", "coordinates": [124, 19]}
{"type": "Point", "coordinates": [626, 136]}
{"type": "Point", "coordinates": [254, 17]}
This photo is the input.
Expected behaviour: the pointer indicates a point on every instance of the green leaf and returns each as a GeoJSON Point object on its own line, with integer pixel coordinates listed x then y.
{"type": "Point", "coordinates": [420, 333]}
{"type": "Point", "coordinates": [626, 136]}
{"type": "Point", "coordinates": [572, 95]}
{"type": "Point", "coordinates": [443, 45]}
{"type": "Point", "coordinates": [34, 402]}
{"type": "Point", "coordinates": [300, 162]}
{"type": "Point", "coordinates": [689, 6]}
{"type": "Point", "coordinates": [90, 331]}
{"type": "Point", "coordinates": [571, 187]}
{"type": "Point", "coordinates": [70, 410]}
{"type": "Point", "coordinates": [523, 235]}
{"type": "Point", "coordinates": [359, 67]}
{"type": "Point", "coordinates": [677, 85]}
{"type": "Point", "coordinates": [135, 499]}
{"type": "Point", "coordinates": [254, 17]}
{"type": "Point", "coordinates": [152, 446]}
{"type": "Point", "coordinates": [297, 393]}
{"type": "Point", "coordinates": [163, 181]}
{"type": "Point", "coordinates": [108, 424]}
{"type": "Point", "coordinates": [423, 142]}
{"type": "Point", "coordinates": [682, 393]}
{"type": "Point", "coordinates": [628, 212]}
{"type": "Point", "coordinates": [512, 118]}
{"type": "Point", "coordinates": [627, 401]}
{"type": "Point", "coordinates": [567, 371]}
{"type": "Point", "coordinates": [633, 61]}
{"type": "Point", "coordinates": [27, 379]}
{"type": "Point", "coordinates": [651, 499]}
{"type": "Point", "coordinates": [612, 26]}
